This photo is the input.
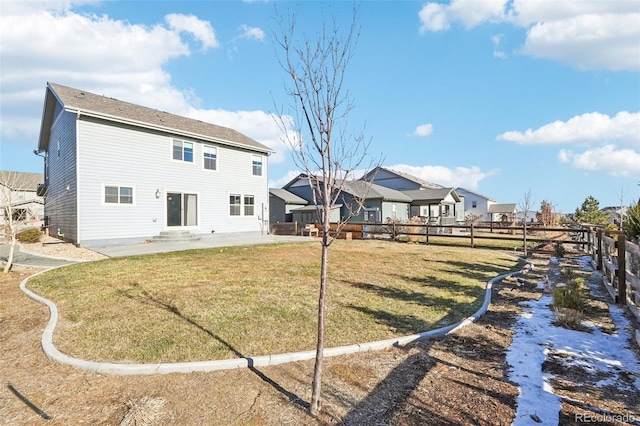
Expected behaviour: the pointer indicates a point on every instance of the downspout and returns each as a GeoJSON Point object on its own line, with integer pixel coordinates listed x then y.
{"type": "Point", "coordinates": [77, 177]}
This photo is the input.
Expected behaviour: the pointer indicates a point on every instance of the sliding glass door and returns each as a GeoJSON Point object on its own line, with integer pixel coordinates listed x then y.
{"type": "Point", "coordinates": [182, 209]}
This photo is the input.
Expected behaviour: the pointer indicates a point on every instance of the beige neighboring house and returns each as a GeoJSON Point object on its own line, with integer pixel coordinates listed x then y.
{"type": "Point", "coordinates": [19, 194]}
{"type": "Point", "coordinates": [505, 213]}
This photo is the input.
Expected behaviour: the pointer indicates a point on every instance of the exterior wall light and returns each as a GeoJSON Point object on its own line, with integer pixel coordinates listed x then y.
{"type": "Point", "coordinates": [158, 193]}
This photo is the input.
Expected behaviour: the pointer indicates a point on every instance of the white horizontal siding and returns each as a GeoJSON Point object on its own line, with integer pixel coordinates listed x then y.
{"type": "Point", "coordinates": [126, 156]}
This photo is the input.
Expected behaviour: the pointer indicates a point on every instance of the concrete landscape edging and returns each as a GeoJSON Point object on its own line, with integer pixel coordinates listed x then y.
{"type": "Point", "coordinates": [227, 364]}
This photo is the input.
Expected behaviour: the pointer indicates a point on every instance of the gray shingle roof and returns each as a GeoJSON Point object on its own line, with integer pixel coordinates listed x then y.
{"type": "Point", "coordinates": [474, 193]}
{"type": "Point", "coordinates": [286, 196]}
{"type": "Point", "coordinates": [113, 109]}
{"type": "Point", "coordinates": [372, 191]}
{"type": "Point", "coordinates": [430, 195]}
{"type": "Point", "coordinates": [423, 183]}
{"type": "Point", "coordinates": [20, 181]}
{"type": "Point", "coordinates": [502, 208]}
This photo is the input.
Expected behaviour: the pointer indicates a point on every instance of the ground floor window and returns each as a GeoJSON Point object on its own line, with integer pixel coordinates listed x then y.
{"type": "Point", "coordinates": [234, 205]}
{"type": "Point", "coordinates": [371, 215]}
{"type": "Point", "coordinates": [118, 194]}
{"type": "Point", "coordinates": [249, 205]}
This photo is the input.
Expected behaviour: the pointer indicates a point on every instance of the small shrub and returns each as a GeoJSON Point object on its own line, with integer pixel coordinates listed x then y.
{"type": "Point", "coordinates": [569, 318]}
{"type": "Point", "coordinates": [31, 235]}
{"type": "Point", "coordinates": [571, 296]}
{"type": "Point", "coordinates": [569, 273]}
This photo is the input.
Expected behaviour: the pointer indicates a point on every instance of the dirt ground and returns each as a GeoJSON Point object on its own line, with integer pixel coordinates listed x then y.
{"type": "Point", "coordinates": [460, 379]}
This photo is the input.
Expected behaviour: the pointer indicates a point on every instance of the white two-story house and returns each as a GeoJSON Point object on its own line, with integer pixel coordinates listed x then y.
{"type": "Point", "coordinates": [115, 170]}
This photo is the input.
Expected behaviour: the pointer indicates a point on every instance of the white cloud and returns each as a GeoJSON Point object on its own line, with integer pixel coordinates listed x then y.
{"type": "Point", "coordinates": [438, 17]}
{"type": "Point", "coordinates": [251, 33]}
{"type": "Point", "coordinates": [258, 125]}
{"type": "Point", "coordinates": [526, 12]}
{"type": "Point", "coordinates": [588, 42]}
{"type": "Point", "coordinates": [105, 56]}
{"type": "Point", "coordinates": [467, 177]}
{"type": "Point", "coordinates": [587, 129]}
{"type": "Point", "coordinates": [497, 41]}
{"type": "Point", "coordinates": [201, 30]}
{"type": "Point", "coordinates": [588, 35]}
{"type": "Point", "coordinates": [288, 177]}
{"type": "Point", "coordinates": [423, 130]}
{"type": "Point", "coordinates": [607, 159]}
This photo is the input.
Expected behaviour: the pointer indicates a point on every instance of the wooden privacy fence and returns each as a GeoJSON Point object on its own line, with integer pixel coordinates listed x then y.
{"type": "Point", "coordinates": [619, 261]}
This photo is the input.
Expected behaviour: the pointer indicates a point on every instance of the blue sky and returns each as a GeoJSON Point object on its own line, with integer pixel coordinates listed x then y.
{"type": "Point", "coordinates": [500, 97]}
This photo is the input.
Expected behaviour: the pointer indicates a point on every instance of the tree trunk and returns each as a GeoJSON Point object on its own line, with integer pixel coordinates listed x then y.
{"type": "Point", "coordinates": [11, 250]}
{"type": "Point", "coordinates": [317, 372]}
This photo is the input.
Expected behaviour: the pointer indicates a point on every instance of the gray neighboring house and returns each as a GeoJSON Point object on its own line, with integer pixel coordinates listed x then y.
{"type": "Point", "coordinates": [380, 202]}
{"type": "Point", "coordinates": [19, 190]}
{"type": "Point", "coordinates": [397, 180]}
{"type": "Point", "coordinates": [432, 202]}
{"type": "Point", "coordinates": [281, 203]}
{"type": "Point", "coordinates": [441, 206]}
{"type": "Point", "coordinates": [116, 170]}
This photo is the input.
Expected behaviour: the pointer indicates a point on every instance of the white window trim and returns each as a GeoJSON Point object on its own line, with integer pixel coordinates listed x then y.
{"type": "Point", "coordinates": [243, 205]}
{"type": "Point", "coordinates": [198, 210]}
{"type": "Point", "coordinates": [229, 204]}
{"type": "Point", "coordinates": [195, 144]}
{"type": "Point", "coordinates": [119, 204]}
{"type": "Point", "coordinates": [217, 158]}
{"type": "Point", "coordinates": [261, 165]}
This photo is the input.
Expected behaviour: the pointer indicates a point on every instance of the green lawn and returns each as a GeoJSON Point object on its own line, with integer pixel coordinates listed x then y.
{"type": "Point", "coordinates": [257, 300]}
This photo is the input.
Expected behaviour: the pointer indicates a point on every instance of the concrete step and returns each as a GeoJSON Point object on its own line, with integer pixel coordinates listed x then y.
{"type": "Point", "coordinates": [175, 236]}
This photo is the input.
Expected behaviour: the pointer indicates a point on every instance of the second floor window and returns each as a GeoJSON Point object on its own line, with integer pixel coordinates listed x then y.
{"type": "Point", "coordinates": [474, 204]}
{"type": "Point", "coordinates": [210, 155]}
{"type": "Point", "coordinates": [183, 151]}
{"type": "Point", "coordinates": [257, 165]}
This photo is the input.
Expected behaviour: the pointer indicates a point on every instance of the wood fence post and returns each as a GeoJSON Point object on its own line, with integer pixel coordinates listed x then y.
{"type": "Point", "coordinates": [472, 243]}
{"type": "Point", "coordinates": [599, 250]}
{"type": "Point", "coordinates": [394, 231]}
{"type": "Point", "coordinates": [622, 270]}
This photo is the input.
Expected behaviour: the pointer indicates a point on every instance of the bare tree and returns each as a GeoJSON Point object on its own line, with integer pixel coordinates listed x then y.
{"type": "Point", "coordinates": [15, 190]}
{"type": "Point", "coordinates": [525, 205]}
{"type": "Point", "coordinates": [315, 128]}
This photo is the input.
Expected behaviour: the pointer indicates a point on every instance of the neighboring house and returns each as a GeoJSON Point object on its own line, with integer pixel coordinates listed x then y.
{"type": "Point", "coordinates": [433, 202]}
{"type": "Point", "coordinates": [531, 216]}
{"type": "Point", "coordinates": [19, 194]}
{"type": "Point", "coordinates": [380, 203]}
{"type": "Point", "coordinates": [115, 170]}
{"type": "Point", "coordinates": [309, 214]}
{"type": "Point", "coordinates": [442, 206]}
{"type": "Point", "coordinates": [281, 203]}
{"type": "Point", "coordinates": [506, 213]}
{"type": "Point", "coordinates": [476, 206]}
{"type": "Point", "coordinates": [397, 180]}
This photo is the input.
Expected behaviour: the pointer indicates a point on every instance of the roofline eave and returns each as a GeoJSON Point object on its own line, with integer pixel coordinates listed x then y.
{"type": "Point", "coordinates": [164, 129]}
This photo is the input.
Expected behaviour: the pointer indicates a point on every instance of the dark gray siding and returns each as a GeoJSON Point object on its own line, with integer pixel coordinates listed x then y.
{"type": "Point", "coordinates": [61, 197]}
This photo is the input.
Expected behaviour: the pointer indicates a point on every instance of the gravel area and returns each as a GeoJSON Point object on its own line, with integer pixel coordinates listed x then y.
{"type": "Point", "coordinates": [53, 247]}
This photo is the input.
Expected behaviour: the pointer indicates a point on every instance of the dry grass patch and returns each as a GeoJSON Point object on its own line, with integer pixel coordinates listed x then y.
{"type": "Point", "coordinates": [250, 301]}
